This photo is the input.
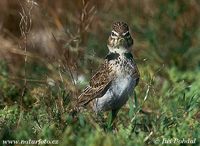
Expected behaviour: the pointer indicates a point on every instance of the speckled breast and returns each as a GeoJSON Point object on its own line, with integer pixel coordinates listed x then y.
{"type": "Point", "coordinates": [121, 88]}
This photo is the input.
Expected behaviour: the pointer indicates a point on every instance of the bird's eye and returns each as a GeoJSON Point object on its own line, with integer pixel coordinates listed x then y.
{"type": "Point", "coordinates": [113, 34]}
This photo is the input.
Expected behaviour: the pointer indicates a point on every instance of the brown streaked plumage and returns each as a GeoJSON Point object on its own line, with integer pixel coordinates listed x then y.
{"type": "Point", "coordinates": [120, 27]}
{"type": "Point", "coordinates": [98, 84]}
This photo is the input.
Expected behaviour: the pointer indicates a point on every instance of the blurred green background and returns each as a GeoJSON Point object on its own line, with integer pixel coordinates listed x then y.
{"type": "Point", "coordinates": [50, 49]}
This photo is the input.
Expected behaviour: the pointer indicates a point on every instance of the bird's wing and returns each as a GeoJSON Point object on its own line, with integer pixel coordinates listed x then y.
{"type": "Point", "coordinates": [135, 74]}
{"type": "Point", "coordinates": [98, 86]}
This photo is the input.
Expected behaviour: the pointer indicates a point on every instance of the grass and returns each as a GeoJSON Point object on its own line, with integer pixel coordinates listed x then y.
{"type": "Point", "coordinates": [37, 94]}
{"type": "Point", "coordinates": [171, 111]}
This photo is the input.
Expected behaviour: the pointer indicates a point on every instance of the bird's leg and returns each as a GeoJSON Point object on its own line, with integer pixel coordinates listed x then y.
{"type": "Point", "coordinates": [100, 118]}
{"type": "Point", "coordinates": [135, 100]}
{"type": "Point", "coordinates": [111, 118]}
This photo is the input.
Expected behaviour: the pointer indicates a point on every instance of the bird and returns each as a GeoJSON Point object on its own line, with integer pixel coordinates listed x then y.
{"type": "Point", "coordinates": [114, 82]}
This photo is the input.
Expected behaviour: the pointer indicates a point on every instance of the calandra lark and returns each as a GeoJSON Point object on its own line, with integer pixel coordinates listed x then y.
{"type": "Point", "coordinates": [110, 88]}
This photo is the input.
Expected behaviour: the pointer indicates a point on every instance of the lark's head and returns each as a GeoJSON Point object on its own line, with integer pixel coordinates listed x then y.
{"type": "Point", "coordinates": [120, 39]}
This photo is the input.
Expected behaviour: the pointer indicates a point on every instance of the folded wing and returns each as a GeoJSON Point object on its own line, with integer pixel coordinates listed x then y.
{"type": "Point", "coordinates": [98, 85]}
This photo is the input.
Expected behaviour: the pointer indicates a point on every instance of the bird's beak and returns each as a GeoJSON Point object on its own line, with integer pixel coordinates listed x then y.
{"type": "Point", "coordinates": [121, 40]}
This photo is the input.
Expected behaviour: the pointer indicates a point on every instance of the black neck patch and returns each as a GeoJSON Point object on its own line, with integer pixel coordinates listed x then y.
{"type": "Point", "coordinates": [112, 56]}
{"type": "Point", "coordinates": [128, 56]}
